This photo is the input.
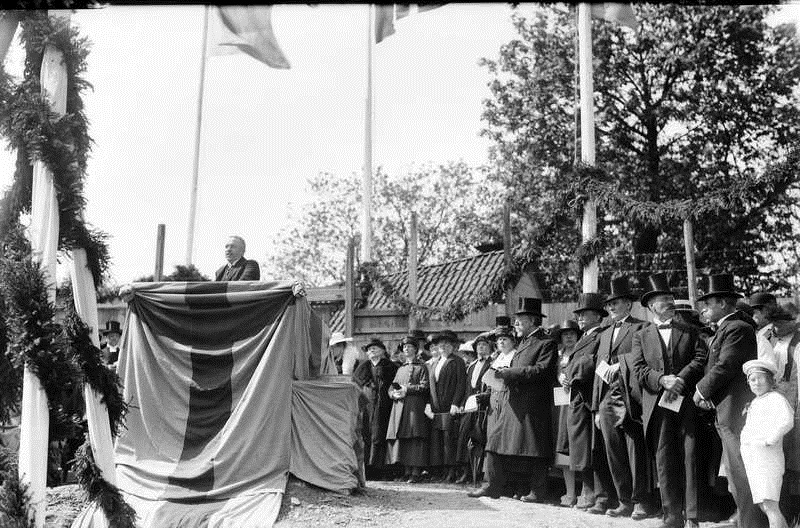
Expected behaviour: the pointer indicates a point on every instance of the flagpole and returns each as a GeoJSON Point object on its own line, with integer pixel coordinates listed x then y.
{"type": "Point", "coordinates": [197, 134]}
{"type": "Point", "coordinates": [366, 190]}
{"type": "Point", "coordinates": [589, 224]}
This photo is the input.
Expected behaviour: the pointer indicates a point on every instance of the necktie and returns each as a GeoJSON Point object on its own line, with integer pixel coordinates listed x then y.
{"type": "Point", "coordinates": [665, 326]}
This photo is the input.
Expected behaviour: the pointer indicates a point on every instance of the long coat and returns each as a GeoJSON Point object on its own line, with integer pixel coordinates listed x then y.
{"type": "Point", "coordinates": [520, 415]}
{"type": "Point", "coordinates": [407, 419]}
{"type": "Point", "coordinates": [375, 382]}
{"type": "Point", "coordinates": [724, 383]}
{"type": "Point", "coordinates": [685, 358]}
{"type": "Point", "coordinates": [610, 352]}
{"type": "Point", "coordinates": [580, 376]}
{"type": "Point", "coordinates": [243, 270]}
{"type": "Point", "coordinates": [473, 424]}
{"type": "Point", "coordinates": [451, 387]}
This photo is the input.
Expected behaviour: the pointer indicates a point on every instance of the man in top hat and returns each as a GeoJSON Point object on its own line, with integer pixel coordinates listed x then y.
{"type": "Point", "coordinates": [622, 434]}
{"type": "Point", "coordinates": [724, 386]}
{"type": "Point", "coordinates": [110, 348]}
{"type": "Point", "coordinates": [668, 359]}
{"type": "Point", "coordinates": [519, 443]}
{"type": "Point", "coordinates": [238, 268]}
{"type": "Point", "coordinates": [448, 388]}
{"type": "Point", "coordinates": [579, 378]}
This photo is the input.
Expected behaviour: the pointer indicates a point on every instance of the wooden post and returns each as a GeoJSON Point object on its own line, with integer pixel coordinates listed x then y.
{"type": "Point", "coordinates": [507, 249]}
{"type": "Point", "coordinates": [349, 289]}
{"type": "Point", "coordinates": [589, 225]}
{"type": "Point", "coordinates": [412, 271]}
{"type": "Point", "coordinates": [158, 274]}
{"type": "Point", "coordinates": [366, 184]}
{"type": "Point", "coordinates": [691, 271]}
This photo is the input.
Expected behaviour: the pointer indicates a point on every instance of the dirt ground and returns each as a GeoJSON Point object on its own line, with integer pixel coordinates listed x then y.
{"type": "Point", "coordinates": [399, 505]}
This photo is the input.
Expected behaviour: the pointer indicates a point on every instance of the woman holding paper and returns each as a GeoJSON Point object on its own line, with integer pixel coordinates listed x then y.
{"type": "Point", "coordinates": [566, 335]}
{"type": "Point", "coordinates": [409, 428]}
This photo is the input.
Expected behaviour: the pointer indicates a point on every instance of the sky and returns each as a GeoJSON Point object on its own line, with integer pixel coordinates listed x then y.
{"type": "Point", "coordinates": [265, 131]}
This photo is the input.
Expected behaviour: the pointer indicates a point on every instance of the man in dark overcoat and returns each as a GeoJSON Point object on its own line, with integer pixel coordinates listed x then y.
{"type": "Point", "coordinates": [724, 386]}
{"type": "Point", "coordinates": [519, 443]}
{"type": "Point", "coordinates": [668, 360]}
{"type": "Point", "coordinates": [448, 386]}
{"type": "Point", "coordinates": [579, 377]}
{"type": "Point", "coordinates": [623, 437]}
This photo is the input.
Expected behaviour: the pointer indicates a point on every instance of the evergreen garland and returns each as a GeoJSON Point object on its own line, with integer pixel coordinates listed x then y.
{"type": "Point", "coordinates": [14, 503]}
{"type": "Point", "coordinates": [118, 512]}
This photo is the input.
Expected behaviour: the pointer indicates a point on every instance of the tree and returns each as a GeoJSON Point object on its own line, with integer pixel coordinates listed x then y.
{"type": "Point", "coordinates": [457, 208]}
{"type": "Point", "coordinates": [699, 98]}
{"type": "Point", "coordinates": [181, 274]}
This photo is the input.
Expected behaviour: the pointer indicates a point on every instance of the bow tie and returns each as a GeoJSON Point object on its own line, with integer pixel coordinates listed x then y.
{"type": "Point", "coordinates": [618, 324]}
{"type": "Point", "coordinates": [665, 326]}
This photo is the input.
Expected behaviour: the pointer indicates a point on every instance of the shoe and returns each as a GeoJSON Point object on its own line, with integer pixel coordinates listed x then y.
{"type": "Point", "coordinates": [532, 498]}
{"type": "Point", "coordinates": [568, 502]}
{"type": "Point", "coordinates": [516, 496]}
{"type": "Point", "coordinates": [485, 491]}
{"type": "Point", "coordinates": [413, 479]}
{"type": "Point", "coordinates": [623, 510]}
{"type": "Point", "coordinates": [584, 504]}
{"type": "Point", "coordinates": [674, 522]}
{"type": "Point", "coordinates": [639, 512]}
{"type": "Point", "coordinates": [691, 523]}
{"type": "Point", "coordinates": [463, 479]}
{"type": "Point", "coordinates": [598, 509]}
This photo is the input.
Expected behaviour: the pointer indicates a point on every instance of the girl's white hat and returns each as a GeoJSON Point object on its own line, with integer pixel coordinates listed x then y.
{"type": "Point", "coordinates": [759, 364]}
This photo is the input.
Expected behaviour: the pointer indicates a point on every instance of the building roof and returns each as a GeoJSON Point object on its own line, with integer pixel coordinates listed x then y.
{"type": "Point", "coordinates": [438, 285]}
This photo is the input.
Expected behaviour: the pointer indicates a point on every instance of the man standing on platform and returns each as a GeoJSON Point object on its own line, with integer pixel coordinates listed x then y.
{"type": "Point", "coordinates": [623, 438]}
{"type": "Point", "coordinates": [238, 268]}
{"type": "Point", "coordinates": [724, 387]}
{"type": "Point", "coordinates": [519, 445]}
{"type": "Point", "coordinates": [668, 359]}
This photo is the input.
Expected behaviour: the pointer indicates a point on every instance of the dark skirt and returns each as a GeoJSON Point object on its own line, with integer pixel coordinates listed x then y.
{"type": "Point", "coordinates": [444, 446]}
{"type": "Point", "coordinates": [562, 436]}
{"type": "Point", "coordinates": [412, 452]}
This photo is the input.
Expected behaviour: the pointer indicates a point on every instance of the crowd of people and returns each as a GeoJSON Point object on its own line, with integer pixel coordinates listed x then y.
{"type": "Point", "coordinates": [640, 417]}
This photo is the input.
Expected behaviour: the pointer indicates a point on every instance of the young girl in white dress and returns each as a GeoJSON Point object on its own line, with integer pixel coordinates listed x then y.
{"type": "Point", "coordinates": [769, 418]}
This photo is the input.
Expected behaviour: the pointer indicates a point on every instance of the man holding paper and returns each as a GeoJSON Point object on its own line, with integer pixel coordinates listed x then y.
{"type": "Point", "coordinates": [668, 360]}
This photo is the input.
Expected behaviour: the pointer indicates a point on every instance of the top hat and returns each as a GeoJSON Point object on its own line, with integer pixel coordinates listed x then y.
{"type": "Point", "coordinates": [444, 335]}
{"type": "Point", "coordinates": [658, 285]}
{"type": "Point", "coordinates": [529, 306]}
{"type": "Point", "coordinates": [338, 337]}
{"type": "Point", "coordinates": [502, 320]}
{"type": "Point", "coordinates": [590, 301]}
{"type": "Point", "coordinates": [566, 326]}
{"type": "Point", "coordinates": [374, 341]}
{"type": "Point", "coordinates": [112, 327]}
{"type": "Point", "coordinates": [485, 337]}
{"type": "Point", "coordinates": [620, 289]}
{"type": "Point", "coordinates": [503, 331]}
{"type": "Point", "coordinates": [759, 299]}
{"type": "Point", "coordinates": [720, 286]}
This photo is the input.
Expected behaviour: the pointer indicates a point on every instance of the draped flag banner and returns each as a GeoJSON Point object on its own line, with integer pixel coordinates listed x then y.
{"type": "Point", "coordinates": [247, 29]}
{"type": "Point", "coordinates": [387, 14]}
{"type": "Point", "coordinates": [208, 371]}
{"type": "Point", "coordinates": [617, 13]}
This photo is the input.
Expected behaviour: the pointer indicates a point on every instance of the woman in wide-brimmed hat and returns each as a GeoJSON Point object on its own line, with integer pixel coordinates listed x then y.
{"type": "Point", "coordinates": [409, 428]}
{"type": "Point", "coordinates": [375, 376]}
{"type": "Point", "coordinates": [566, 335]}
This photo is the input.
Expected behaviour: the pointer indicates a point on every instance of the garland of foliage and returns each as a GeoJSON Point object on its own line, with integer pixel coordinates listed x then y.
{"type": "Point", "coordinates": [61, 142]}
{"type": "Point", "coordinates": [118, 512]}
{"type": "Point", "coordinates": [14, 501]}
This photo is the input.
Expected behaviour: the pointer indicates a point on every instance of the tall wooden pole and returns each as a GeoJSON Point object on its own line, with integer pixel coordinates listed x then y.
{"type": "Point", "coordinates": [691, 270]}
{"type": "Point", "coordinates": [589, 224]}
{"type": "Point", "coordinates": [349, 289]}
{"type": "Point", "coordinates": [159, 270]}
{"type": "Point", "coordinates": [366, 187]}
{"type": "Point", "coordinates": [197, 137]}
{"type": "Point", "coordinates": [507, 250]}
{"type": "Point", "coordinates": [413, 295]}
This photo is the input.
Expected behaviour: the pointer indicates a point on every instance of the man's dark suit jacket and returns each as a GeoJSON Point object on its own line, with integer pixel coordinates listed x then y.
{"type": "Point", "coordinates": [620, 347]}
{"type": "Point", "coordinates": [243, 270]}
{"type": "Point", "coordinates": [724, 383]}
{"type": "Point", "coordinates": [685, 358]}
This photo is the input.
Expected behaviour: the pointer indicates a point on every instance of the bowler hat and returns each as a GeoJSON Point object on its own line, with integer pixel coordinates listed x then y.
{"type": "Point", "coordinates": [374, 341]}
{"type": "Point", "coordinates": [657, 285]}
{"type": "Point", "coordinates": [720, 286]}
{"type": "Point", "coordinates": [566, 326]}
{"type": "Point", "coordinates": [759, 299]}
{"type": "Point", "coordinates": [504, 331]}
{"type": "Point", "coordinates": [112, 327]}
{"type": "Point", "coordinates": [530, 306]}
{"type": "Point", "coordinates": [484, 337]}
{"type": "Point", "coordinates": [444, 335]}
{"type": "Point", "coordinates": [620, 289]}
{"type": "Point", "coordinates": [590, 301]}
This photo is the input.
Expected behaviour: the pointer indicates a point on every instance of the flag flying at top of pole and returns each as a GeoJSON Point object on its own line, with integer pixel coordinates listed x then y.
{"type": "Point", "coordinates": [247, 29]}
{"type": "Point", "coordinates": [386, 15]}
{"type": "Point", "coordinates": [621, 14]}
